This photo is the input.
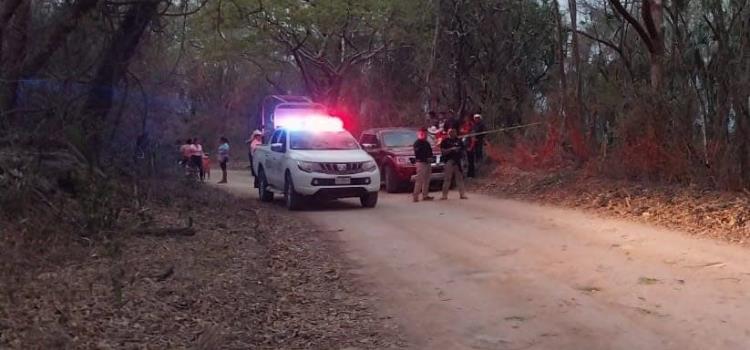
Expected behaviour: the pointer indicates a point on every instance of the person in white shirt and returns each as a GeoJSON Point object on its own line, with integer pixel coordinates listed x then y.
{"type": "Point", "coordinates": [256, 139]}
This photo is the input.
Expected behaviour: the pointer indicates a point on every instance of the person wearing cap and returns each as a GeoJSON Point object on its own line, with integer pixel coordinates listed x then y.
{"type": "Point", "coordinates": [253, 142]}
{"type": "Point", "coordinates": [478, 127]}
{"type": "Point", "coordinates": [433, 130]}
{"type": "Point", "coordinates": [423, 156]}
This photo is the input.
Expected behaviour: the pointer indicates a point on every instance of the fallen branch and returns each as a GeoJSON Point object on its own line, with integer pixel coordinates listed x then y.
{"type": "Point", "coordinates": [166, 274]}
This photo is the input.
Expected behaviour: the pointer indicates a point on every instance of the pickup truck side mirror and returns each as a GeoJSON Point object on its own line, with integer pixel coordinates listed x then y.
{"type": "Point", "coordinates": [277, 147]}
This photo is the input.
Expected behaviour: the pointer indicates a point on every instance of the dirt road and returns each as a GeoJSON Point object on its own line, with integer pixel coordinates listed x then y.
{"type": "Point", "coordinates": [496, 274]}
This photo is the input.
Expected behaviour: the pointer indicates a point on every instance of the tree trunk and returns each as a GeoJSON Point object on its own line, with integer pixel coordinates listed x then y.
{"type": "Point", "coordinates": [657, 71]}
{"type": "Point", "coordinates": [576, 51]}
{"type": "Point", "coordinates": [14, 44]}
{"type": "Point", "coordinates": [334, 91]}
{"type": "Point", "coordinates": [16, 64]}
{"type": "Point", "coordinates": [433, 58]}
{"type": "Point", "coordinates": [580, 115]}
{"type": "Point", "coordinates": [563, 110]}
{"type": "Point", "coordinates": [560, 48]}
{"type": "Point", "coordinates": [460, 71]}
{"type": "Point", "coordinates": [656, 15]}
{"type": "Point", "coordinates": [651, 33]}
{"type": "Point", "coordinates": [112, 69]}
{"type": "Point", "coordinates": [7, 11]}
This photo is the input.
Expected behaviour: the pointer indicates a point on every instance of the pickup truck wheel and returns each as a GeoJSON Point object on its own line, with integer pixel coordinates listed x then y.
{"type": "Point", "coordinates": [369, 200]}
{"type": "Point", "coordinates": [292, 199]}
{"type": "Point", "coordinates": [263, 193]}
{"type": "Point", "coordinates": [391, 181]}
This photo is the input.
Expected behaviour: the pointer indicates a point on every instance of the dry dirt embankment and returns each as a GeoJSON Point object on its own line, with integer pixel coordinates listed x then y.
{"type": "Point", "coordinates": [700, 211]}
{"type": "Point", "coordinates": [248, 278]}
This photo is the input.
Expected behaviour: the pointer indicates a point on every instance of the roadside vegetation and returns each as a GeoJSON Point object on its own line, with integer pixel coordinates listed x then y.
{"type": "Point", "coordinates": [179, 266]}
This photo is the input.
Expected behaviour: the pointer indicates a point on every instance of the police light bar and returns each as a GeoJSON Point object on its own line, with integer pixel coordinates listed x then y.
{"type": "Point", "coordinates": [310, 123]}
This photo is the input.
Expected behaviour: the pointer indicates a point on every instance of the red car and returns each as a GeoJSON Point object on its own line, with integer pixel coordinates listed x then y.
{"type": "Point", "coordinates": [393, 150]}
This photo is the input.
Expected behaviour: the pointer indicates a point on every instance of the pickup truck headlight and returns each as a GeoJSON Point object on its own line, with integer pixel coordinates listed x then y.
{"type": "Point", "coordinates": [307, 167]}
{"type": "Point", "coordinates": [403, 160]}
{"type": "Point", "coordinates": [369, 165]}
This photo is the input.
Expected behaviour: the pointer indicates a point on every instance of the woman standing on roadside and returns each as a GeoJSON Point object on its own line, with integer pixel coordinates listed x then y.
{"type": "Point", "coordinates": [223, 153]}
{"type": "Point", "coordinates": [185, 153]}
{"type": "Point", "coordinates": [196, 156]}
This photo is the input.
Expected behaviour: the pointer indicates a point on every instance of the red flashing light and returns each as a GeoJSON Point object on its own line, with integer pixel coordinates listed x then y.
{"type": "Point", "coordinates": [310, 123]}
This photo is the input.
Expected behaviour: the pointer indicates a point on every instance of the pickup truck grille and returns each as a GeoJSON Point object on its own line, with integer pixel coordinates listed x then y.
{"type": "Point", "coordinates": [341, 168]}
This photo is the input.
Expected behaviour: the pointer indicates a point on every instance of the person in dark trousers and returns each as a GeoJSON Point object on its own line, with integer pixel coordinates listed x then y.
{"type": "Point", "coordinates": [423, 156]}
{"type": "Point", "coordinates": [479, 144]}
{"type": "Point", "coordinates": [452, 149]}
{"type": "Point", "coordinates": [196, 157]}
{"type": "Point", "coordinates": [223, 158]}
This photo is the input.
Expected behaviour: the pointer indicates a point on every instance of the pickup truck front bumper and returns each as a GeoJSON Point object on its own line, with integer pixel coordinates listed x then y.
{"type": "Point", "coordinates": [327, 186]}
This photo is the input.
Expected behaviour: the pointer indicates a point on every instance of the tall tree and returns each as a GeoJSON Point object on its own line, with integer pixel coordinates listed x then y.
{"type": "Point", "coordinates": [112, 68]}
{"type": "Point", "coordinates": [650, 32]}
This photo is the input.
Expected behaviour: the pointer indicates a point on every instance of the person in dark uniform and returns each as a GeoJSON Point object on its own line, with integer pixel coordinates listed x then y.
{"type": "Point", "coordinates": [423, 156]}
{"type": "Point", "coordinates": [452, 149]}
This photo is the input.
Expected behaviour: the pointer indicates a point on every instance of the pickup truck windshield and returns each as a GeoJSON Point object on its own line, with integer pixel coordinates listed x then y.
{"type": "Point", "coordinates": [326, 140]}
{"type": "Point", "coordinates": [405, 138]}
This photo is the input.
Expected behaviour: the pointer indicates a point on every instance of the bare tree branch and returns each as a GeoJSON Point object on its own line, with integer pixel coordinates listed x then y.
{"type": "Point", "coordinates": [634, 22]}
{"type": "Point", "coordinates": [34, 63]}
{"type": "Point", "coordinates": [611, 45]}
{"type": "Point", "coordinates": [6, 12]}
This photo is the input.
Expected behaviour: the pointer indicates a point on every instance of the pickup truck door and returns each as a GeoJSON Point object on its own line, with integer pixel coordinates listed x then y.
{"type": "Point", "coordinates": [267, 158]}
{"type": "Point", "coordinates": [275, 160]}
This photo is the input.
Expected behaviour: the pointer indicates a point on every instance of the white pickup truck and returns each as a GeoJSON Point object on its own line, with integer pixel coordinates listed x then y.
{"type": "Point", "coordinates": [309, 163]}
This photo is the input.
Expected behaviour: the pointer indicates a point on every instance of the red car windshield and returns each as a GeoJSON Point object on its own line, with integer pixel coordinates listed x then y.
{"type": "Point", "coordinates": [402, 138]}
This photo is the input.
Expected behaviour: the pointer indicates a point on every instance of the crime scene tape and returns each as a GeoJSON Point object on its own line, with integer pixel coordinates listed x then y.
{"type": "Point", "coordinates": [499, 130]}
